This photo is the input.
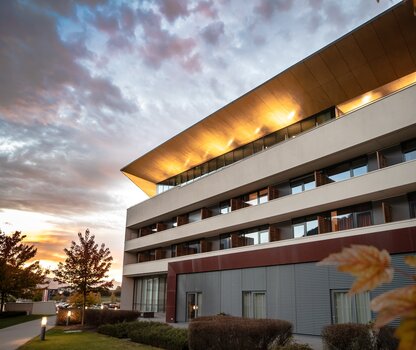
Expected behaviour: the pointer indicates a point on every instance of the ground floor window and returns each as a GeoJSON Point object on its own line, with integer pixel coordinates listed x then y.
{"type": "Point", "coordinates": [254, 304]}
{"type": "Point", "coordinates": [193, 305]}
{"type": "Point", "coordinates": [150, 293]}
{"type": "Point", "coordinates": [350, 309]}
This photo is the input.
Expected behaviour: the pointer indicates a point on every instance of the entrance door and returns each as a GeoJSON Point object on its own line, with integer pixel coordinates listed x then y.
{"type": "Point", "coordinates": [193, 305]}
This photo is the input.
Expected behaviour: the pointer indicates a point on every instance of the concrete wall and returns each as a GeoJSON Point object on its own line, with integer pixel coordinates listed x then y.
{"type": "Point", "coordinates": [33, 308]}
{"type": "Point", "coordinates": [363, 131]}
{"type": "Point", "coordinates": [298, 293]}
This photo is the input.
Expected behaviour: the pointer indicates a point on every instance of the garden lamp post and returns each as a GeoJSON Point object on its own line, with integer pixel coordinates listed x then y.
{"type": "Point", "coordinates": [43, 328]}
{"type": "Point", "coordinates": [68, 316]}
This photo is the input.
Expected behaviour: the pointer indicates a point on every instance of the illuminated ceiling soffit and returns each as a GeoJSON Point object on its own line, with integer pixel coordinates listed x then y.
{"type": "Point", "coordinates": [351, 66]}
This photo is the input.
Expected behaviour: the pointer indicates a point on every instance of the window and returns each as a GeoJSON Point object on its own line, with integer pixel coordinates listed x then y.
{"type": "Point", "coordinates": [347, 170]}
{"type": "Point", "coordinates": [303, 184]}
{"type": "Point", "coordinates": [225, 207]}
{"type": "Point", "coordinates": [305, 226]}
{"type": "Point", "coordinates": [173, 250]}
{"type": "Point", "coordinates": [351, 217]}
{"type": "Point", "coordinates": [254, 304]}
{"type": "Point", "coordinates": [150, 293]}
{"type": "Point", "coordinates": [193, 305]}
{"type": "Point", "coordinates": [409, 150]}
{"type": "Point", "coordinates": [193, 247]}
{"type": "Point", "coordinates": [350, 309]}
{"type": "Point", "coordinates": [194, 216]}
{"type": "Point", "coordinates": [256, 235]}
{"type": "Point", "coordinates": [225, 241]}
{"type": "Point", "coordinates": [412, 204]}
{"type": "Point", "coordinates": [257, 197]}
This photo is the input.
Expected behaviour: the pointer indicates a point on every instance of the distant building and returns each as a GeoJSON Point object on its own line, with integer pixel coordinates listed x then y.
{"type": "Point", "coordinates": [245, 202]}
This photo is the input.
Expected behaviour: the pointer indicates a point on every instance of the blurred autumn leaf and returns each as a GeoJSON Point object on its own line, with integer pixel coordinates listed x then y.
{"type": "Point", "coordinates": [407, 334]}
{"type": "Point", "coordinates": [371, 266]}
{"type": "Point", "coordinates": [410, 260]}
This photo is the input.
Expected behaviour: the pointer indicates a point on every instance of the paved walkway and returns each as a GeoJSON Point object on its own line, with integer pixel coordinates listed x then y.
{"type": "Point", "coordinates": [13, 337]}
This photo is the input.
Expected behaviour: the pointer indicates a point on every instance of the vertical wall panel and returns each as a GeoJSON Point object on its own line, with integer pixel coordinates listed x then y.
{"type": "Point", "coordinates": [181, 298]}
{"type": "Point", "coordinates": [231, 292]}
{"type": "Point", "coordinates": [254, 279]}
{"type": "Point", "coordinates": [312, 298]}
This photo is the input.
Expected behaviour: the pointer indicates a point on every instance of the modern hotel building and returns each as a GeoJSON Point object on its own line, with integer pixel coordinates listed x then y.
{"type": "Point", "coordinates": [245, 202]}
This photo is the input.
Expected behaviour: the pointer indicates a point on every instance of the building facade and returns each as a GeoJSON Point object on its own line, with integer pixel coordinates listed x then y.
{"type": "Point", "coordinates": [244, 203]}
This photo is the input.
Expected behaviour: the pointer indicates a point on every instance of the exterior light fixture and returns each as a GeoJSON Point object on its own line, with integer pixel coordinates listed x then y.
{"type": "Point", "coordinates": [43, 328]}
{"type": "Point", "coordinates": [291, 115]}
{"type": "Point", "coordinates": [68, 316]}
{"type": "Point", "coordinates": [366, 98]}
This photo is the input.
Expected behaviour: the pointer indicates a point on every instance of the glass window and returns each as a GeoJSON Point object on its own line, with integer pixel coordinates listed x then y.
{"type": "Point", "coordinates": [225, 241]}
{"type": "Point", "coordinates": [269, 140]}
{"type": "Point", "coordinates": [225, 207]}
{"type": "Point", "coordinates": [254, 304]}
{"type": "Point", "coordinates": [228, 157]}
{"type": "Point", "coordinates": [184, 177]}
{"type": "Point", "coordinates": [238, 154]}
{"type": "Point", "coordinates": [248, 150]}
{"type": "Point", "coordinates": [204, 169]}
{"type": "Point", "coordinates": [263, 195]}
{"type": "Point", "coordinates": [294, 129]}
{"type": "Point", "coordinates": [212, 165]}
{"type": "Point", "coordinates": [302, 184]}
{"type": "Point", "coordinates": [324, 117]}
{"type": "Point", "coordinates": [305, 226]}
{"type": "Point", "coordinates": [197, 172]}
{"type": "Point", "coordinates": [220, 162]}
{"type": "Point", "coordinates": [350, 309]}
{"type": "Point", "coordinates": [409, 150]}
{"type": "Point", "coordinates": [173, 251]}
{"type": "Point", "coordinates": [281, 135]}
{"type": "Point", "coordinates": [255, 235]}
{"type": "Point", "coordinates": [258, 145]}
{"type": "Point", "coordinates": [307, 124]}
{"type": "Point", "coordinates": [193, 247]}
{"type": "Point", "coordinates": [412, 204]}
{"type": "Point", "coordinates": [347, 170]}
{"type": "Point", "coordinates": [190, 174]}
{"type": "Point", "coordinates": [150, 294]}
{"type": "Point", "coordinates": [194, 216]}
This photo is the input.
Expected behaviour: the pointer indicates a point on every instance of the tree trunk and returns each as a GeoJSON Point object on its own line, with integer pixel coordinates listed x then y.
{"type": "Point", "coordinates": [2, 301]}
{"type": "Point", "coordinates": [84, 298]}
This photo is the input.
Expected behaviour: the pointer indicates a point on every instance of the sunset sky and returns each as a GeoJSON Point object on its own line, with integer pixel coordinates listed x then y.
{"type": "Point", "coordinates": [88, 86]}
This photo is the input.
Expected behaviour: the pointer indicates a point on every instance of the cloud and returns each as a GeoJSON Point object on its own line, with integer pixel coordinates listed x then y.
{"type": "Point", "coordinates": [267, 8]}
{"type": "Point", "coordinates": [207, 9]}
{"type": "Point", "coordinates": [212, 32]}
{"type": "Point", "coordinates": [173, 9]}
{"type": "Point", "coordinates": [41, 74]}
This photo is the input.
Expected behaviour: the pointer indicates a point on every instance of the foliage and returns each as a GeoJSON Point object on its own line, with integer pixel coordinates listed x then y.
{"type": "Point", "coordinates": [57, 339]}
{"type": "Point", "coordinates": [117, 330]}
{"type": "Point", "coordinates": [17, 276]}
{"type": "Point", "coordinates": [386, 339]}
{"type": "Point", "coordinates": [7, 314]}
{"type": "Point", "coordinates": [160, 335]}
{"type": "Point", "coordinates": [99, 317]}
{"type": "Point", "coordinates": [291, 346]}
{"type": "Point", "coordinates": [226, 332]}
{"type": "Point", "coordinates": [96, 317]}
{"type": "Point", "coordinates": [77, 299]}
{"type": "Point", "coordinates": [85, 268]}
{"type": "Point", "coordinates": [348, 336]}
{"type": "Point", "coordinates": [372, 267]}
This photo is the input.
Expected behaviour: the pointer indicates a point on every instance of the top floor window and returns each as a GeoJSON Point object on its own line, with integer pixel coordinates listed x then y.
{"type": "Point", "coordinates": [307, 226]}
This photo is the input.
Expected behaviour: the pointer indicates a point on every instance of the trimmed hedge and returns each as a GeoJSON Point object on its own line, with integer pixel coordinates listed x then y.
{"type": "Point", "coordinates": [348, 336]}
{"type": "Point", "coordinates": [386, 339]}
{"type": "Point", "coordinates": [292, 346]}
{"type": "Point", "coordinates": [96, 317]}
{"type": "Point", "coordinates": [229, 333]}
{"type": "Point", "coordinates": [99, 317]}
{"type": "Point", "coordinates": [151, 333]}
{"type": "Point", "coordinates": [7, 314]}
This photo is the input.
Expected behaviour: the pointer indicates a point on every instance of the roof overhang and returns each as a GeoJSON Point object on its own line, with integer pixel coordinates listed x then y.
{"type": "Point", "coordinates": [377, 53]}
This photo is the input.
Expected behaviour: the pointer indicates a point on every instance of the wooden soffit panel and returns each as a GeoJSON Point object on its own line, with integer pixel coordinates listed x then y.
{"type": "Point", "coordinates": [376, 53]}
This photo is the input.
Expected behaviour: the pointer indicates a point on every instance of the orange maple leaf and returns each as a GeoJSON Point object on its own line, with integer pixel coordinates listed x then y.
{"type": "Point", "coordinates": [410, 260]}
{"type": "Point", "coordinates": [370, 265]}
{"type": "Point", "coordinates": [400, 302]}
{"type": "Point", "coordinates": [407, 334]}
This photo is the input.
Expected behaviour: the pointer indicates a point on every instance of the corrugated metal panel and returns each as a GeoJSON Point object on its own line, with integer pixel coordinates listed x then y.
{"type": "Point", "coordinates": [254, 279]}
{"type": "Point", "coordinates": [312, 299]}
{"type": "Point", "coordinates": [181, 298]}
{"type": "Point", "coordinates": [231, 292]}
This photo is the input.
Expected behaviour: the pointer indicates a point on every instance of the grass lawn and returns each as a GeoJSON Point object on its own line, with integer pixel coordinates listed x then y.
{"type": "Point", "coordinates": [57, 339]}
{"type": "Point", "coordinates": [11, 321]}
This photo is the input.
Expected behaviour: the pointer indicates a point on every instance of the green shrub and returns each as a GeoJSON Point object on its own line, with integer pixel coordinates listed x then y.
{"type": "Point", "coordinates": [117, 330]}
{"type": "Point", "coordinates": [159, 335]}
{"type": "Point", "coordinates": [292, 346]}
{"type": "Point", "coordinates": [96, 317]}
{"type": "Point", "coordinates": [348, 336]}
{"type": "Point", "coordinates": [7, 314]}
{"type": "Point", "coordinates": [99, 317]}
{"type": "Point", "coordinates": [386, 339]}
{"type": "Point", "coordinates": [229, 333]}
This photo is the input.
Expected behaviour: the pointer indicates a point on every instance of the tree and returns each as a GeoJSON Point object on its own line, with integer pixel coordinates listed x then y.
{"type": "Point", "coordinates": [85, 268]}
{"type": "Point", "coordinates": [17, 276]}
{"type": "Point", "coordinates": [372, 268]}
{"type": "Point", "coordinates": [92, 299]}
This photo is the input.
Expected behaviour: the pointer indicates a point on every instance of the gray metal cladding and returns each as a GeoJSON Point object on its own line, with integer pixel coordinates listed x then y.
{"type": "Point", "coordinates": [298, 293]}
